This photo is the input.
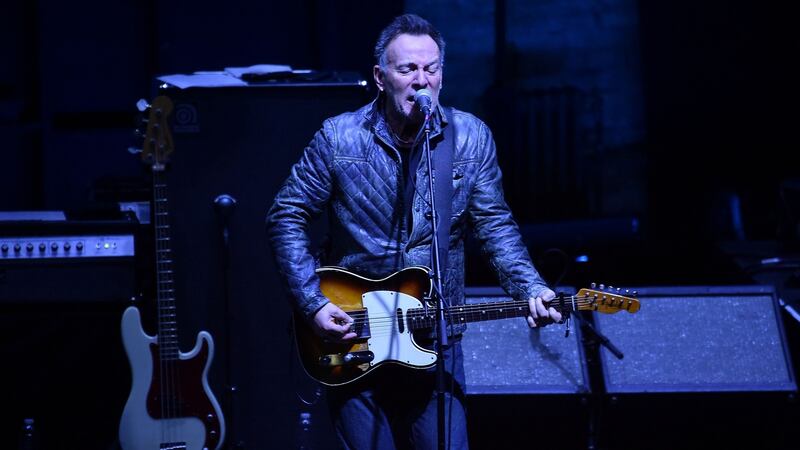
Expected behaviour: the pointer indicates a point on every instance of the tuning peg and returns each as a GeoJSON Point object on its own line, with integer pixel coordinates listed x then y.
{"type": "Point", "coordinates": [627, 291]}
{"type": "Point", "coordinates": [134, 150]}
{"type": "Point", "coordinates": [142, 105]}
{"type": "Point", "coordinates": [593, 285]}
{"type": "Point", "coordinates": [618, 290]}
{"type": "Point", "coordinates": [602, 286]}
{"type": "Point", "coordinates": [635, 293]}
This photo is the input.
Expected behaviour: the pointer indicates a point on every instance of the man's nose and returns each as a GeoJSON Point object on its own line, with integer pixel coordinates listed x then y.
{"type": "Point", "coordinates": [421, 78]}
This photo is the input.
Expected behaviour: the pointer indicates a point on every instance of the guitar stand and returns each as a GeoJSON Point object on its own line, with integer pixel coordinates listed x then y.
{"type": "Point", "coordinates": [224, 205]}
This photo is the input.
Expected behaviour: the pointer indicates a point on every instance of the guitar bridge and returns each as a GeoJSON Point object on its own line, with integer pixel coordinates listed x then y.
{"type": "Point", "coordinates": [346, 359]}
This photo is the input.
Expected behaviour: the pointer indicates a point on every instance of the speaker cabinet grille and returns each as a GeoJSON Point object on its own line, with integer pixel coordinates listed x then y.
{"type": "Point", "coordinates": [698, 339]}
{"type": "Point", "coordinates": [508, 357]}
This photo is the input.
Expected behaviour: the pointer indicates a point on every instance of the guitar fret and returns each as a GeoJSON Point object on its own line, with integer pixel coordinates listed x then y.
{"type": "Point", "coordinates": [471, 313]}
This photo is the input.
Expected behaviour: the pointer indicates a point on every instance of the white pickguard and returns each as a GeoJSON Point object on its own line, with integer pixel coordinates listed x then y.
{"type": "Point", "coordinates": [137, 429]}
{"type": "Point", "coordinates": [386, 340]}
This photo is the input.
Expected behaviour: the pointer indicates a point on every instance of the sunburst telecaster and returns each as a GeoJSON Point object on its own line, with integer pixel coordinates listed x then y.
{"type": "Point", "coordinates": [388, 311]}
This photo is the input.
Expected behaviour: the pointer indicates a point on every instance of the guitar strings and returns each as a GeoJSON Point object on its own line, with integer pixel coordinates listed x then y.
{"type": "Point", "coordinates": [382, 322]}
{"type": "Point", "coordinates": [462, 310]}
{"type": "Point", "coordinates": [168, 352]}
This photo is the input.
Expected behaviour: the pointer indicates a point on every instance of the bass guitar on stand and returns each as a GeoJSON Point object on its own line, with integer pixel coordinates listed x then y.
{"type": "Point", "coordinates": [171, 406]}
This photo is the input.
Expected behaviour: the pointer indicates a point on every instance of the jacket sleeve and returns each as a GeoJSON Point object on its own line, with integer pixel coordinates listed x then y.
{"type": "Point", "coordinates": [495, 228]}
{"type": "Point", "coordinates": [303, 196]}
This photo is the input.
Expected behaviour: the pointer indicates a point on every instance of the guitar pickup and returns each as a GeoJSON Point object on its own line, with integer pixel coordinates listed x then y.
{"type": "Point", "coordinates": [346, 359]}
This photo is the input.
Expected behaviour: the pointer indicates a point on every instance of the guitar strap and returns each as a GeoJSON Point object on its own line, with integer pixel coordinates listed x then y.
{"type": "Point", "coordinates": [443, 164]}
{"type": "Point", "coordinates": [443, 150]}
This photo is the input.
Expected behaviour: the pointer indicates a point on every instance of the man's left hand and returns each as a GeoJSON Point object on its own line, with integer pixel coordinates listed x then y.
{"type": "Point", "coordinates": [540, 315]}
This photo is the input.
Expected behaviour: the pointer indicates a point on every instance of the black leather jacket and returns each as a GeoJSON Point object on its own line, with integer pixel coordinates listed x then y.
{"type": "Point", "coordinates": [352, 168]}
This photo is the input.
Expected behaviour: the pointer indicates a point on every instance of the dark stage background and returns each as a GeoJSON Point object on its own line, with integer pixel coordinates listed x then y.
{"type": "Point", "coordinates": [642, 144]}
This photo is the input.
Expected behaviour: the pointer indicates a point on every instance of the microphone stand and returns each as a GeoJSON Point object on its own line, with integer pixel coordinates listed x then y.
{"type": "Point", "coordinates": [437, 293]}
{"type": "Point", "coordinates": [593, 339]}
{"type": "Point", "coordinates": [224, 205]}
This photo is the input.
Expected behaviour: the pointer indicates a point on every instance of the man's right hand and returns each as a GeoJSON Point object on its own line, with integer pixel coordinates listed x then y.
{"type": "Point", "coordinates": [333, 324]}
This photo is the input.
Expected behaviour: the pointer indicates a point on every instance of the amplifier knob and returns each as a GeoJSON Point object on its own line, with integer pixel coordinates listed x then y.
{"type": "Point", "coordinates": [42, 247]}
{"type": "Point", "coordinates": [29, 247]}
{"type": "Point", "coordinates": [17, 248]}
{"type": "Point", "coordinates": [67, 246]}
{"type": "Point", "coordinates": [54, 247]}
{"type": "Point", "coordinates": [4, 248]}
{"type": "Point", "coordinates": [79, 246]}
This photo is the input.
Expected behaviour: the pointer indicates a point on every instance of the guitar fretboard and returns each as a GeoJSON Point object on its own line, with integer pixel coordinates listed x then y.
{"type": "Point", "coordinates": [165, 285]}
{"type": "Point", "coordinates": [424, 318]}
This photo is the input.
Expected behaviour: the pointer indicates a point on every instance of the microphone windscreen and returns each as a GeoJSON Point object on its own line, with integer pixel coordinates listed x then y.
{"type": "Point", "coordinates": [422, 93]}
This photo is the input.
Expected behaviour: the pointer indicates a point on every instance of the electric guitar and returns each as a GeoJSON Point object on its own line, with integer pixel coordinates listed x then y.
{"type": "Point", "coordinates": [387, 312]}
{"type": "Point", "coordinates": [170, 405]}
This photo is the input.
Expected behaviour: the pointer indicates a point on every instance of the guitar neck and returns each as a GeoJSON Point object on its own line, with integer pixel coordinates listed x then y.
{"type": "Point", "coordinates": [165, 285]}
{"type": "Point", "coordinates": [423, 318]}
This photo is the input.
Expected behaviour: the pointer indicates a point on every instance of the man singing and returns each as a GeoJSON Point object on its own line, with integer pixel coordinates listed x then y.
{"type": "Point", "coordinates": [367, 168]}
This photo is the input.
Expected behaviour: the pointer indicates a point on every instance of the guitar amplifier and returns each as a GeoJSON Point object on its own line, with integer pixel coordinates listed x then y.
{"type": "Point", "coordinates": [699, 339]}
{"type": "Point", "coordinates": [46, 256]}
{"type": "Point", "coordinates": [509, 357]}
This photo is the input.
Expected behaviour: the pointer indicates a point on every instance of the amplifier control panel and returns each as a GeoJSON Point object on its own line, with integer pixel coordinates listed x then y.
{"type": "Point", "coordinates": [48, 247]}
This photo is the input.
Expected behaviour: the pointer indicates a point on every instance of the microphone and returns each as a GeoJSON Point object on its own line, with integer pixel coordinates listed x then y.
{"type": "Point", "coordinates": [424, 101]}
{"type": "Point", "coordinates": [224, 205]}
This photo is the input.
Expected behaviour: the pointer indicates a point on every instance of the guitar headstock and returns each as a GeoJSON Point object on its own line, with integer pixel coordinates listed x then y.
{"type": "Point", "coordinates": [157, 144]}
{"type": "Point", "coordinates": [607, 300]}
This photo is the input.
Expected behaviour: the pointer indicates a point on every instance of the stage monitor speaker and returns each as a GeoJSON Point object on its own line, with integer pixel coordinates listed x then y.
{"type": "Point", "coordinates": [698, 339]}
{"type": "Point", "coordinates": [508, 357]}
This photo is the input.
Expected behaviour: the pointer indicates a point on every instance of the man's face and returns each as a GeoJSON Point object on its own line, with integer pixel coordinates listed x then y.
{"type": "Point", "coordinates": [412, 63]}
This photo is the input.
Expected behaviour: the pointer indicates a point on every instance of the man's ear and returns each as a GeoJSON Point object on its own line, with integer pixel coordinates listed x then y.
{"type": "Point", "coordinates": [377, 73]}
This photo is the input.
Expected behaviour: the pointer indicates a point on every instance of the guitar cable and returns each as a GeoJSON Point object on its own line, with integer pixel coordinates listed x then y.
{"type": "Point", "coordinates": [292, 367]}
